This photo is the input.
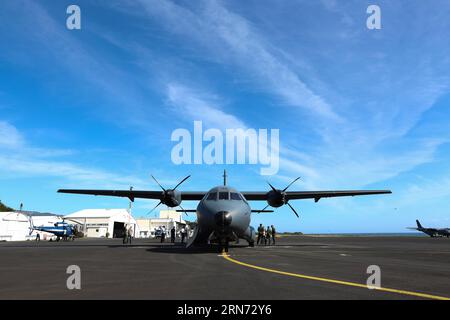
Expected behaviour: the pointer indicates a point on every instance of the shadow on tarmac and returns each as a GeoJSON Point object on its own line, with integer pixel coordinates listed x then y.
{"type": "Point", "coordinates": [181, 249]}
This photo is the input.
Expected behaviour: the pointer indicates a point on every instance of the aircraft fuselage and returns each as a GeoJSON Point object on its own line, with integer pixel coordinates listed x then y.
{"type": "Point", "coordinates": [223, 215]}
{"type": "Point", "coordinates": [435, 232]}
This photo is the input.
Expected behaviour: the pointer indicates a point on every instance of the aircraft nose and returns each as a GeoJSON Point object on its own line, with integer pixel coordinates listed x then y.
{"type": "Point", "coordinates": [223, 218]}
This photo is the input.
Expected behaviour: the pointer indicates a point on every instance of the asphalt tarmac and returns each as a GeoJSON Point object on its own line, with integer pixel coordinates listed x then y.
{"type": "Point", "coordinates": [298, 267]}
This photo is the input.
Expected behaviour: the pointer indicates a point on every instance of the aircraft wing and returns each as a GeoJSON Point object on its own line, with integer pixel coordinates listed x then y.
{"type": "Point", "coordinates": [316, 195]}
{"type": "Point", "coordinates": [196, 195]}
{"type": "Point", "coordinates": [250, 195]}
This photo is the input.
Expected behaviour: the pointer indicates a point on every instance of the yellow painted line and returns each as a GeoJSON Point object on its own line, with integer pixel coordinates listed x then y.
{"type": "Point", "coordinates": [345, 283]}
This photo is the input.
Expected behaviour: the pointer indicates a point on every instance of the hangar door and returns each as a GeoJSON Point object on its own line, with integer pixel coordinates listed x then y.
{"type": "Point", "coordinates": [96, 232]}
{"type": "Point", "coordinates": [118, 229]}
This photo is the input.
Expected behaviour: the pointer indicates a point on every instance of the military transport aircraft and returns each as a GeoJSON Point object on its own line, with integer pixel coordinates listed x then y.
{"type": "Point", "coordinates": [224, 213]}
{"type": "Point", "coordinates": [432, 232]}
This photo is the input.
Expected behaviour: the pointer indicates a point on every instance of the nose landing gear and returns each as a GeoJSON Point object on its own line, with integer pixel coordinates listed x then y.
{"type": "Point", "coordinates": [223, 246]}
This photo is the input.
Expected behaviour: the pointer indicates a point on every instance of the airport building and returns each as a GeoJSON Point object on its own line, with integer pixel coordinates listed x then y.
{"type": "Point", "coordinates": [93, 223]}
{"type": "Point", "coordinates": [98, 223]}
{"type": "Point", "coordinates": [167, 219]}
{"type": "Point", "coordinates": [15, 225]}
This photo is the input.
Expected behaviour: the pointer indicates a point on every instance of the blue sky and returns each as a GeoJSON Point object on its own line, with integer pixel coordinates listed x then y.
{"type": "Point", "coordinates": [356, 108]}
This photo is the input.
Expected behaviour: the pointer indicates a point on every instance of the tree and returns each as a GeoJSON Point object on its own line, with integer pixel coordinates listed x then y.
{"type": "Point", "coordinates": [4, 208]}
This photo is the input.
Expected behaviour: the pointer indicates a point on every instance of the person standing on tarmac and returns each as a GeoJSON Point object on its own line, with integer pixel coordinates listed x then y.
{"type": "Point", "coordinates": [125, 234]}
{"type": "Point", "coordinates": [183, 234]}
{"type": "Point", "coordinates": [172, 235]}
{"type": "Point", "coordinates": [163, 234]}
{"type": "Point", "coordinates": [130, 234]}
{"type": "Point", "coordinates": [260, 233]}
{"type": "Point", "coordinates": [268, 235]}
{"type": "Point", "coordinates": [274, 232]}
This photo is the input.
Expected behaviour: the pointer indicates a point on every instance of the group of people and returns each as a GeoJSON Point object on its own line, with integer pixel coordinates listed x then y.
{"type": "Point", "coordinates": [173, 233]}
{"type": "Point", "coordinates": [127, 234]}
{"type": "Point", "coordinates": [266, 235]}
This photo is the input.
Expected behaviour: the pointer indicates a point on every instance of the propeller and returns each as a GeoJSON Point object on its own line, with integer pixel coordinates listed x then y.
{"type": "Point", "coordinates": [159, 203]}
{"type": "Point", "coordinates": [169, 197]}
{"type": "Point", "coordinates": [185, 212]}
{"type": "Point", "coordinates": [292, 208]}
{"type": "Point", "coordinates": [277, 198]}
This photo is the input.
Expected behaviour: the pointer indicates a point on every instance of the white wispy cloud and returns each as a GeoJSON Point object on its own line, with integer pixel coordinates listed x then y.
{"type": "Point", "coordinates": [10, 136]}
{"type": "Point", "coordinates": [19, 159]}
{"type": "Point", "coordinates": [231, 38]}
{"type": "Point", "coordinates": [350, 149]}
{"type": "Point", "coordinates": [119, 89]}
{"type": "Point", "coordinates": [196, 105]}
{"type": "Point", "coordinates": [350, 152]}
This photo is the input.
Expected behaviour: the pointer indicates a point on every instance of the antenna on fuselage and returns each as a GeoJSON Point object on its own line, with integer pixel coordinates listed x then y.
{"type": "Point", "coordinates": [224, 177]}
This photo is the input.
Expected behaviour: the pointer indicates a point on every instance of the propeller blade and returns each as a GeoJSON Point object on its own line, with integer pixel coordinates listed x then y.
{"type": "Point", "coordinates": [183, 210]}
{"type": "Point", "coordinates": [154, 208]}
{"type": "Point", "coordinates": [290, 184]}
{"type": "Point", "coordinates": [293, 209]}
{"type": "Point", "coordinates": [265, 208]}
{"type": "Point", "coordinates": [158, 183]}
{"type": "Point", "coordinates": [271, 186]}
{"type": "Point", "coordinates": [181, 182]}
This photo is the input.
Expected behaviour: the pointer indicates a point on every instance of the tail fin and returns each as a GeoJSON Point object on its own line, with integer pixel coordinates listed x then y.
{"type": "Point", "coordinates": [418, 224]}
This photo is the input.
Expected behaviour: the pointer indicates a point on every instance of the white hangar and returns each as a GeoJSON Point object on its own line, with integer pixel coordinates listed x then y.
{"type": "Point", "coordinates": [108, 223]}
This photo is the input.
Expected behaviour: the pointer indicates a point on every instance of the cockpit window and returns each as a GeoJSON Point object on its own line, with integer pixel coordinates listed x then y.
{"type": "Point", "coordinates": [223, 195]}
{"type": "Point", "coordinates": [212, 196]}
{"type": "Point", "coordinates": [235, 196]}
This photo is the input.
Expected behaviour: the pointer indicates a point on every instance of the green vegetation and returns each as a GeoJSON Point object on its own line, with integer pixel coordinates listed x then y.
{"type": "Point", "coordinates": [292, 233]}
{"type": "Point", "coordinates": [4, 208]}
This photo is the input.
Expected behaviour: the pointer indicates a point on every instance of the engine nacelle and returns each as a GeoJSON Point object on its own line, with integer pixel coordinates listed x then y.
{"type": "Point", "coordinates": [276, 199]}
{"type": "Point", "coordinates": [171, 198]}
